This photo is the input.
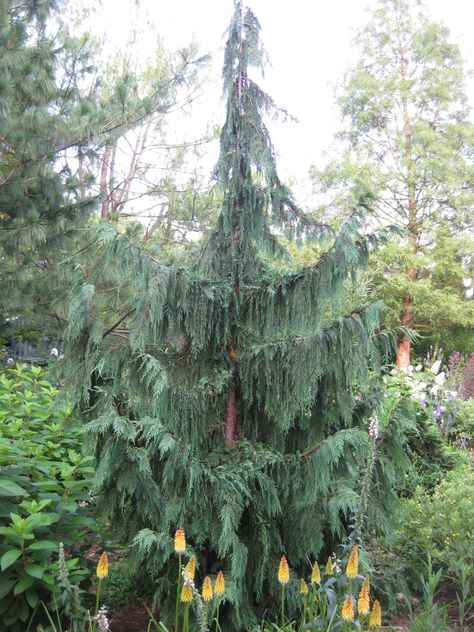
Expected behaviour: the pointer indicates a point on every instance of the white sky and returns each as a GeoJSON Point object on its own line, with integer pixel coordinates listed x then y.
{"type": "Point", "coordinates": [309, 46]}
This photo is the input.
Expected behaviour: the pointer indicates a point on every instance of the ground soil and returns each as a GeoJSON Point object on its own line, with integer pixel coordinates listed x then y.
{"type": "Point", "coordinates": [130, 618]}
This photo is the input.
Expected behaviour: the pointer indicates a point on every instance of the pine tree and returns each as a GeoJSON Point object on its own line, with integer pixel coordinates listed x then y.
{"type": "Point", "coordinates": [409, 142]}
{"type": "Point", "coordinates": [226, 398]}
{"type": "Point", "coordinates": [58, 111]}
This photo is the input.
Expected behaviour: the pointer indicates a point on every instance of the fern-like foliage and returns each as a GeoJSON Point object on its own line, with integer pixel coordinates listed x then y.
{"type": "Point", "coordinates": [222, 399]}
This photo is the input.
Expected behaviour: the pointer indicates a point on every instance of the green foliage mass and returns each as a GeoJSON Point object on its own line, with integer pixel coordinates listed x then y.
{"type": "Point", "coordinates": [44, 500]}
{"type": "Point", "coordinates": [441, 312]}
{"type": "Point", "coordinates": [57, 113]}
{"type": "Point", "coordinates": [439, 524]}
{"type": "Point", "coordinates": [407, 141]}
{"type": "Point", "coordinates": [228, 397]}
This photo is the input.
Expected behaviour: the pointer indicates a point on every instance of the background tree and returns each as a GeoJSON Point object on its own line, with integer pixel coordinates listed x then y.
{"type": "Point", "coordinates": [226, 396]}
{"type": "Point", "coordinates": [58, 113]}
{"type": "Point", "coordinates": [409, 141]}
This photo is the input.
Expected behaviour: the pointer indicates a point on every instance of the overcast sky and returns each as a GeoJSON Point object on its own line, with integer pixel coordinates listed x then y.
{"type": "Point", "coordinates": [309, 46]}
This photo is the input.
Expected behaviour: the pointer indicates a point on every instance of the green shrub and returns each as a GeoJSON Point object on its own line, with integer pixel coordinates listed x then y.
{"type": "Point", "coordinates": [432, 458]}
{"type": "Point", "coordinates": [440, 525]}
{"type": "Point", "coordinates": [44, 482]}
{"type": "Point", "coordinates": [465, 422]}
{"type": "Point", "coordinates": [125, 584]}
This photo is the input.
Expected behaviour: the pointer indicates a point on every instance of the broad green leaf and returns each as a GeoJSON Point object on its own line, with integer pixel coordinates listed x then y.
{"type": "Point", "coordinates": [23, 584]}
{"type": "Point", "coordinates": [5, 587]}
{"type": "Point", "coordinates": [32, 597]}
{"type": "Point", "coordinates": [9, 558]}
{"type": "Point", "coordinates": [9, 488]}
{"type": "Point", "coordinates": [43, 545]}
{"type": "Point", "coordinates": [34, 570]}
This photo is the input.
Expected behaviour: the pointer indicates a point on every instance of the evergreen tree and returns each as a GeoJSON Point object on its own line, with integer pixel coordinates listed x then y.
{"type": "Point", "coordinates": [227, 398]}
{"type": "Point", "coordinates": [409, 143]}
{"type": "Point", "coordinates": [57, 113]}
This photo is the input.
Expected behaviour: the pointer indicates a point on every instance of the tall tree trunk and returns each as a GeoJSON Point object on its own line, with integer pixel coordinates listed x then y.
{"type": "Point", "coordinates": [230, 419]}
{"type": "Point", "coordinates": [104, 211]}
{"type": "Point", "coordinates": [404, 344]}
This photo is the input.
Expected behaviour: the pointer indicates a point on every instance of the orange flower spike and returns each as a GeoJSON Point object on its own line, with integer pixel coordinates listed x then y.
{"type": "Point", "coordinates": [190, 568]}
{"type": "Point", "coordinates": [352, 568]}
{"type": "Point", "coordinates": [219, 586]}
{"type": "Point", "coordinates": [283, 571]}
{"type": "Point", "coordinates": [366, 584]}
{"type": "Point", "coordinates": [186, 593]}
{"type": "Point", "coordinates": [102, 566]}
{"type": "Point", "coordinates": [375, 619]}
{"type": "Point", "coordinates": [328, 569]}
{"type": "Point", "coordinates": [180, 541]}
{"type": "Point", "coordinates": [316, 574]}
{"type": "Point", "coordinates": [363, 604]}
{"type": "Point", "coordinates": [348, 609]}
{"type": "Point", "coordinates": [207, 589]}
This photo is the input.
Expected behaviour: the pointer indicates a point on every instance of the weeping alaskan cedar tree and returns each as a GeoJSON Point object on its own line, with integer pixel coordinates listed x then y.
{"type": "Point", "coordinates": [225, 399]}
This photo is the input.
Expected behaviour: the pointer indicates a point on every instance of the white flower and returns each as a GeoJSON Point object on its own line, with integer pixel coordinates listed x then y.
{"type": "Point", "coordinates": [434, 389]}
{"type": "Point", "coordinates": [374, 427]}
{"type": "Point", "coordinates": [418, 367]}
{"type": "Point", "coordinates": [54, 352]}
{"type": "Point", "coordinates": [436, 367]}
{"type": "Point", "coordinates": [440, 378]}
{"type": "Point", "coordinates": [410, 368]}
{"type": "Point", "coordinates": [10, 361]}
{"type": "Point", "coordinates": [101, 620]}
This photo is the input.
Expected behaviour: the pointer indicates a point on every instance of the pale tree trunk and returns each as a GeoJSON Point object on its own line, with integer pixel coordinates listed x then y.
{"type": "Point", "coordinates": [404, 344]}
{"type": "Point", "coordinates": [104, 210]}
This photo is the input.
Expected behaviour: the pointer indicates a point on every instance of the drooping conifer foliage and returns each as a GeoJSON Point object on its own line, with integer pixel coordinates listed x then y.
{"type": "Point", "coordinates": [226, 399]}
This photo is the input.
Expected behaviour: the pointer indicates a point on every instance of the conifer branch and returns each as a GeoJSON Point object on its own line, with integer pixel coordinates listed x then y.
{"type": "Point", "coordinates": [119, 322]}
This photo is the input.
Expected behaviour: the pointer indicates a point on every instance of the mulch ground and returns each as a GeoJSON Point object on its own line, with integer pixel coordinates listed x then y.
{"type": "Point", "coordinates": [130, 618]}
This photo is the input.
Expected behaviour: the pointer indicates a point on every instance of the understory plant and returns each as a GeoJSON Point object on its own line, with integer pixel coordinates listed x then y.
{"type": "Point", "coordinates": [44, 493]}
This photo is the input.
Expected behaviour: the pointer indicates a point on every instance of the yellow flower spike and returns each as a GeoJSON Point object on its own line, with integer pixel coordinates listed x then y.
{"type": "Point", "coordinates": [329, 570]}
{"type": "Point", "coordinates": [363, 604]}
{"type": "Point", "coordinates": [376, 615]}
{"type": "Point", "coordinates": [207, 589]}
{"type": "Point", "coordinates": [316, 574]}
{"type": "Point", "coordinates": [186, 593]}
{"type": "Point", "coordinates": [190, 568]}
{"type": "Point", "coordinates": [219, 586]}
{"type": "Point", "coordinates": [352, 568]}
{"type": "Point", "coordinates": [180, 541]}
{"type": "Point", "coordinates": [303, 587]}
{"type": "Point", "coordinates": [102, 566]}
{"type": "Point", "coordinates": [283, 571]}
{"type": "Point", "coordinates": [348, 609]}
{"type": "Point", "coordinates": [366, 584]}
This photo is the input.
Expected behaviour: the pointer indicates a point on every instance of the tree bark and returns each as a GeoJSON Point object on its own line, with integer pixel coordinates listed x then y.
{"type": "Point", "coordinates": [230, 419]}
{"type": "Point", "coordinates": [104, 211]}
{"type": "Point", "coordinates": [404, 345]}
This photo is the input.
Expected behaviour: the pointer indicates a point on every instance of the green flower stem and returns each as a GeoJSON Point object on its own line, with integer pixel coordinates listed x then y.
{"type": "Point", "coordinates": [178, 590]}
{"type": "Point", "coordinates": [97, 598]}
{"type": "Point", "coordinates": [217, 615]}
{"type": "Point", "coordinates": [305, 607]}
{"type": "Point", "coordinates": [283, 605]}
{"type": "Point", "coordinates": [186, 618]}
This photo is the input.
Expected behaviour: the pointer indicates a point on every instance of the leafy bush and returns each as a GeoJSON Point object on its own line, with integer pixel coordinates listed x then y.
{"type": "Point", "coordinates": [439, 525]}
{"type": "Point", "coordinates": [125, 584]}
{"type": "Point", "coordinates": [44, 482]}
{"type": "Point", "coordinates": [465, 421]}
